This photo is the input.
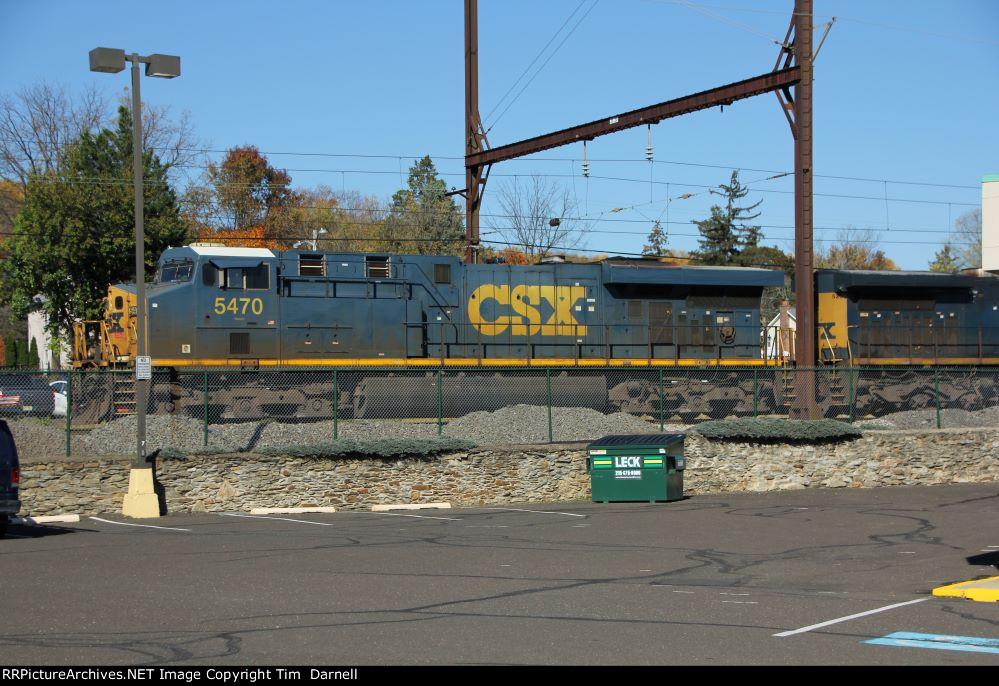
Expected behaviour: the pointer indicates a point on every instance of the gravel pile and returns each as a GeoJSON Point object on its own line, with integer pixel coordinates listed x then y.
{"type": "Point", "coordinates": [182, 433]}
{"type": "Point", "coordinates": [277, 433]}
{"type": "Point", "coordinates": [515, 424]}
{"type": "Point", "coordinates": [927, 419]}
{"type": "Point", "coordinates": [38, 438]}
{"type": "Point", "coordinates": [529, 424]}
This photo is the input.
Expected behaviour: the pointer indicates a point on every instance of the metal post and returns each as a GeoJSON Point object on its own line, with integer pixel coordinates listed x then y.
{"type": "Point", "coordinates": [662, 407]}
{"type": "Point", "coordinates": [336, 405]}
{"type": "Point", "coordinates": [69, 411]}
{"type": "Point", "coordinates": [440, 403]}
{"type": "Point", "coordinates": [206, 407]}
{"type": "Point", "coordinates": [756, 392]}
{"type": "Point", "coordinates": [851, 395]}
{"type": "Point", "coordinates": [141, 385]}
{"type": "Point", "coordinates": [936, 385]}
{"type": "Point", "coordinates": [548, 377]}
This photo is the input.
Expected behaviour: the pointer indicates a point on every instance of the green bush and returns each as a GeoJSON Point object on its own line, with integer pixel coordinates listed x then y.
{"type": "Point", "coordinates": [344, 447]}
{"type": "Point", "coordinates": [385, 447]}
{"type": "Point", "coordinates": [767, 430]}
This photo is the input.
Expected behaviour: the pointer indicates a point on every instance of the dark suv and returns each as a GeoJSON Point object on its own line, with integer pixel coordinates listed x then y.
{"type": "Point", "coordinates": [10, 477]}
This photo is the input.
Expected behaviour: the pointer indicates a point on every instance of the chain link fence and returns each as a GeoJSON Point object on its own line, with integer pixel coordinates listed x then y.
{"type": "Point", "coordinates": [235, 408]}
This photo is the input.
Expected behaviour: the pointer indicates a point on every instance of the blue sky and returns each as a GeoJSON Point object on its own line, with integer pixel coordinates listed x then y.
{"type": "Point", "coordinates": [904, 92]}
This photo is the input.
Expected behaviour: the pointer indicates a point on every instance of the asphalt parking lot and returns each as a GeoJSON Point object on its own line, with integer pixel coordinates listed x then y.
{"type": "Point", "coordinates": [803, 577]}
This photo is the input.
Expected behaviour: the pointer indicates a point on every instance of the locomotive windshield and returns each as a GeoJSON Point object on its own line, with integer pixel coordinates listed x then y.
{"type": "Point", "coordinates": [176, 271]}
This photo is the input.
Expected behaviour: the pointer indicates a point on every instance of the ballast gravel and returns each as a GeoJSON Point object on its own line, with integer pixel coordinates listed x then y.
{"type": "Point", "coordinates": [45, 439]}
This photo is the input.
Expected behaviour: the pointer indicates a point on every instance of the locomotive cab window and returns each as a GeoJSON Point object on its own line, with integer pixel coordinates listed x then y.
{"type": "Point", "coordinates": [176, 271]}
{"type": "Point", "coordinates": [311, 265]}
{"type": "Point", "coordinates": [234, 279]}
{"type": "Point", "coordinates": [119, 303]}
{"type": "Point", "coordinates": [257, 278]}
{"type": "Point", "coordinates": [210, 275]}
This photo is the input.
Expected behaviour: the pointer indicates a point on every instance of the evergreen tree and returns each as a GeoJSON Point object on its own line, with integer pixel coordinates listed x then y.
{"type": "Point", "coordinates": [75, 234]}
{"type": "Point", "coordinates": [22, 354]}
{"type": "Point", "coordinates": [423, 218]}
{"type": "Point", "coordinates": [33, 360]}
{"type": "Point", "coordinates": [945, 261]}
{"type": "Point", "coordinates": [656, 246]}
{"type": "Point", "coordinates": [725, 233]}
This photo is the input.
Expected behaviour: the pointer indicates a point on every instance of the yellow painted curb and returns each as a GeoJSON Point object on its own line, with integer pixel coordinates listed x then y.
{"type": "Point", "coordinates": [982, 590]}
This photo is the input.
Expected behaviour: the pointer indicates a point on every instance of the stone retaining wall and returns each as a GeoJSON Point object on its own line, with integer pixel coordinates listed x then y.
{"type": "Point", "coordinates": [525, 474]}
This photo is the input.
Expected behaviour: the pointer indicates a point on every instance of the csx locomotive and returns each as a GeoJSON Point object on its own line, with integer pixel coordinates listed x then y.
{"type": "Point", "coordinates": [241, 309]}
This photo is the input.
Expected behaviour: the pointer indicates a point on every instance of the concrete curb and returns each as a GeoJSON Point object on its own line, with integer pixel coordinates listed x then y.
{"type": "Point", "coordinates": [411, 506]}
{"type": "Point", "coordinates": [47, 519]}
{"type": "Point", "coordinates": [289, 510]}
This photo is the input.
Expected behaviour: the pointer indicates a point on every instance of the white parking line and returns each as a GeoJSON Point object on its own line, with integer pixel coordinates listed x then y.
{"type": "Point", "coordinates": [849, 617]}
{"type": "Point", "coordinates": [394, 514]}
{"type": "Point", "coordinates": [514, 509]}
{"type": "Point", "coordinates": [144, 526]}
{"type": "Point", "coordinates": [282, 519]}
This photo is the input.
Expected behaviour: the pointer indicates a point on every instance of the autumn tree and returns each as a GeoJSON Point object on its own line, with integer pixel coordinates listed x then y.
{"type": "Point", "coordinates": [854, 249]}
{"type": "Point", "coordinates": [76, 235]}
{"type": "Point", "coordinates": [241, 192]}
{"type": "Point", "coordinates": [422, 218]}
{"type": "Point", "coordinates": [538, 216]}
{"type": "Point", "coordinates": [725, 234]}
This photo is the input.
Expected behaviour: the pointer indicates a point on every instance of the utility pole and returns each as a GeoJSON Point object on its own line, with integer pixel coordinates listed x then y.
{"type": "Point", "coordinates": [475, 137]}
{"type": "Point", "coordinates": [798, 110]}
{"type": "Point", "coordinates": [792, 70]}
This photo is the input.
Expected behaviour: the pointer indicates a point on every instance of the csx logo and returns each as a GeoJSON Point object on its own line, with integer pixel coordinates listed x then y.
{"type": "Point", "coordinates": [524, 301]}
{"type": "Point", "coordinates": [627, 462]}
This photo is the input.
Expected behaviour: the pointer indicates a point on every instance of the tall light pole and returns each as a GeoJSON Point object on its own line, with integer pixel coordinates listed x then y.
{"type": "Point", "coordinates": [141, 500]}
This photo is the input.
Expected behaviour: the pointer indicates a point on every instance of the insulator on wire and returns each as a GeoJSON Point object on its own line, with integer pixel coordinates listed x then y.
{"type": "Point", "coordinates": [648, 148]}
{"type": "Point", "coordinates": [586, 164]}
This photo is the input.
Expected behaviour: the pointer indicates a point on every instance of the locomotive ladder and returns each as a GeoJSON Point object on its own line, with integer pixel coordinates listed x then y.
{"type": "Point", "coordinates": [123, 392]}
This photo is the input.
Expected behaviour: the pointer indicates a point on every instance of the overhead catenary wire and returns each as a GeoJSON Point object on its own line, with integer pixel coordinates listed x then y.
{"type": "Point", "coordinates": [568, 35]}
{"type": "Point", "coordinates": [98, 181]}
{"type": "Point", "coordinates": [572, 160]}
{"type": "Point", "coordinates": [534, 61]}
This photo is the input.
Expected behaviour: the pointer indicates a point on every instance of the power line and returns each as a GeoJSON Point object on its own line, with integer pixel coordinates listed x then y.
{"type": "Point", "coordinates": [531, 80]}
{"type": "Point", "coordinates": [98, 181]}
{"type": "Point", "coordinates": [536, 57]}
{"type": "Point", "coordinates": [529, 158]}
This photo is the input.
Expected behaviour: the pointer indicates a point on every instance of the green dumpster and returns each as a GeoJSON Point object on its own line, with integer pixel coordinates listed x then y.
{"type": "Point", "coordinates": [641, 468]}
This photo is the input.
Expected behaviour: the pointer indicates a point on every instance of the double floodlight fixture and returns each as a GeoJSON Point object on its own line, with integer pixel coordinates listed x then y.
{"type": "Point", "coordinates": [112, 61]}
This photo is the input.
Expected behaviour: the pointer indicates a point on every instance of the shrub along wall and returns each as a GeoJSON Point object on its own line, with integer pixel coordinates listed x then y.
{"type": "Point", "coordinates": [535, 473]}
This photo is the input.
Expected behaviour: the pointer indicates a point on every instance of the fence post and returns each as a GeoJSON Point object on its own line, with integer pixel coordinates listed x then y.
{"type": "Point", "coordinates": [69, 411]}
{"type": "Point", "coordinates": [440, 403]}
{"type": "Point", "coordinates": [756, 392]}
{"type": "Point", "coordinates": [936, 385]}
{"type": "Point", "coordinates": [662, 409]}
{"type": "Point", "coordinates": [336, 406]}
{"type": "Point", "coordinates": [205, 397]}
{"type": "Point", "coordinates": [548, 377]}
{"type": "Point", "coordinates": [851, 393]}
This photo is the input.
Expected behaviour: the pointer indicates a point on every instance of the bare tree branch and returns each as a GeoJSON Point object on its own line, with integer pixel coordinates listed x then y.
{"type": "Point", "coordinates": [539, 216]}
